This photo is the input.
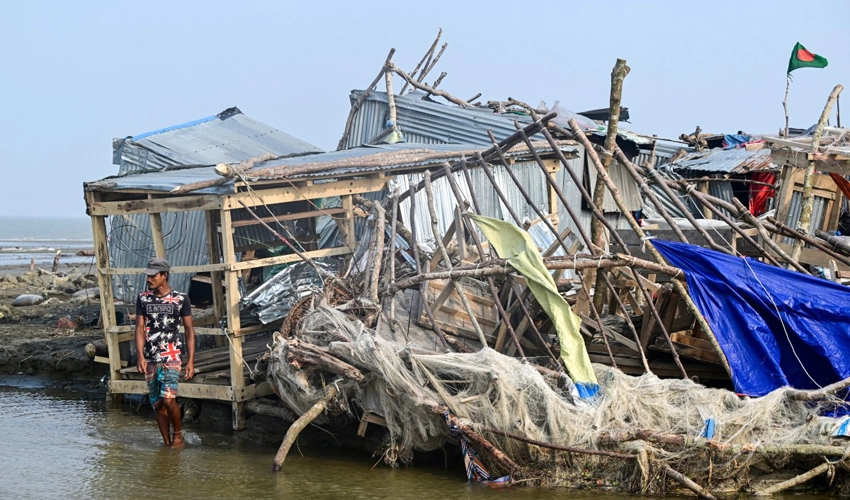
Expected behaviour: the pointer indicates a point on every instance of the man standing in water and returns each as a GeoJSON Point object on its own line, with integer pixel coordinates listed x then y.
{"type": "Point", "coordinates": [158, 345]}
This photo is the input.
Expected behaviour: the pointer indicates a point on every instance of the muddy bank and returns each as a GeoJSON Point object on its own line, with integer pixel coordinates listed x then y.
{"type": "Point", "coordinates": [46, 320]}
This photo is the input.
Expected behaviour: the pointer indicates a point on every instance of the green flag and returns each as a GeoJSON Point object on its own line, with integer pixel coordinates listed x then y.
{"type": "Point", "coordinates": [802, 58]}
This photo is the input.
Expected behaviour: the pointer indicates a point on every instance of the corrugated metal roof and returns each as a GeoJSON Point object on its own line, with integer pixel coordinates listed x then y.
{"type": "Point", "coordinates": [360, 160]}
{"type": "Point", "coordinates": [227, 137]}
{"type": "Point", "coordinates": [734, 161]}
{"type": "Point", "coordinates": [425, 121]}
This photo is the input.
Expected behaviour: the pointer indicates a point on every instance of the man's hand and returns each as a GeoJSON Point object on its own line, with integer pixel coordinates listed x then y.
{"type": "Point", "coordinates": [142, 365]}
{"type": "Point", "coordinates": [190, 370]}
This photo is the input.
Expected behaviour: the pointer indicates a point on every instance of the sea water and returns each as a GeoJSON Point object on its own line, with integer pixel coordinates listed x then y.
{"type": "Point", "coordinates": [66, 444]}
{"type": "Point", "coordinates": [27, 238]}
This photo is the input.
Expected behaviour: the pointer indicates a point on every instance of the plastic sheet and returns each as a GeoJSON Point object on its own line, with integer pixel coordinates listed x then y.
{"type": "Point", "coordinates": [776, 327]}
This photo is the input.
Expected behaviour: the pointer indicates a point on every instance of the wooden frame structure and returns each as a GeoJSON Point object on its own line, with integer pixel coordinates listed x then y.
{"type": "Point", "coordinates": [224, 271]}
{"type": "Point", "coordinates": [104, 199]}
{"type": "Point", "coordinates": [794, 155]}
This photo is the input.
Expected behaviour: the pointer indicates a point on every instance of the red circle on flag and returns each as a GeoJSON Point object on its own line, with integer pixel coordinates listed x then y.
{"type": "Point", "coordinates": [804, 55]}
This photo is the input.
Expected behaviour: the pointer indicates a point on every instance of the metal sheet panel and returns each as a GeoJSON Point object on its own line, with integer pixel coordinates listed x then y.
{"type": "Point", "coordinates": [227, 137]}
{"type": "Point", "coordinates": [733, 161]}
{"type": "Point", "coordinates": [131, 245]}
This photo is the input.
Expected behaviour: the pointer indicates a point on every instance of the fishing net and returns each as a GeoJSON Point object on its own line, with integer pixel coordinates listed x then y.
{"type": "Point", "coordinates": [490, 391]}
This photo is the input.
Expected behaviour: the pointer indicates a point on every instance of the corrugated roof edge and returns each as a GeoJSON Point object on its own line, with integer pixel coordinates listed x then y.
{"type": "Point", "coordinates": [227, 113]}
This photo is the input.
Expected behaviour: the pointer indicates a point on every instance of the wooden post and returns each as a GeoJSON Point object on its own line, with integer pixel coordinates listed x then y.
{"type": "Point", "coordinates": [214, 254]}
{"type": "Point", "coordinates": [156, 234]}
{"type": "Point", "coordinates": [107, 300]}
{"type": "Point", "coordinates": [231, 280]}
{"type": "Point", "coordinates": [597, 231]}
{"type": "Point", "coordinates": [806, 210]}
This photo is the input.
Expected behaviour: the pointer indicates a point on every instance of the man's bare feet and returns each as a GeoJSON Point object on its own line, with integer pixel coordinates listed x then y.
{"type": "Point", "coordinates": [177, 440]}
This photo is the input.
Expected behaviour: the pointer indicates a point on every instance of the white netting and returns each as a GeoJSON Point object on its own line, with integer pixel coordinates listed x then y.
{"type": "Point", "coordinates": [489, 389]}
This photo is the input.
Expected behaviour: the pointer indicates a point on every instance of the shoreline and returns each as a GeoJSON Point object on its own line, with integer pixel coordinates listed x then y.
{"type": "Point", "coordinates": [48, 338]}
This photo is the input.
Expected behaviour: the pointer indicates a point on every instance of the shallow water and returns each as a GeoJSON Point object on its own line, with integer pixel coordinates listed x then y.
{"type": "Point", "coordinates": [76, 445]}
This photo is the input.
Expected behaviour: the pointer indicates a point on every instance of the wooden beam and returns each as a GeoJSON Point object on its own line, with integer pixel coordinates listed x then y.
{"type": "Point", "coordinates": [281, 259]}
{"type": "Point", "coordinates": [174, 270]}
{"type": "Point", "coordinates": [155, 205]}
{"type": "Point", "coordinates": [294, 216]}
{"type": "Point", "coordinates": [298, 193]}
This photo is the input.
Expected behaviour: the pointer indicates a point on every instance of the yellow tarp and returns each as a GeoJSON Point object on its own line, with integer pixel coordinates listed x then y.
{"type": "Point", "coordinates": [516, 246]}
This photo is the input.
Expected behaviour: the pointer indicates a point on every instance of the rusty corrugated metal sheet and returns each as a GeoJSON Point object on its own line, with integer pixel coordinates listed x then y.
{"type": "Point", "coordinates": [732, 161]}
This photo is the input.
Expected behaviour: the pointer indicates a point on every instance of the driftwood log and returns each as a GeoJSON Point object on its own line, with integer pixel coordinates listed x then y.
{"type": "Point", "coordinates": [299, 425]}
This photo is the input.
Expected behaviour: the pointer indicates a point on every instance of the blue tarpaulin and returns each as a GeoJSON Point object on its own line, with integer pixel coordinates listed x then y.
{"type": "Point", "coordinates": [776, 327]}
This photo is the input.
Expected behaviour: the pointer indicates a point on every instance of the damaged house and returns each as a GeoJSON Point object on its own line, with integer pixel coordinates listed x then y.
{"type": "Point", "coordinates": [441, 287]}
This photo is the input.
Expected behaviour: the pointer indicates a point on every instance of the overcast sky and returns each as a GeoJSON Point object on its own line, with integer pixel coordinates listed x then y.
{"type": "Point", "coordinates": [77, 74]}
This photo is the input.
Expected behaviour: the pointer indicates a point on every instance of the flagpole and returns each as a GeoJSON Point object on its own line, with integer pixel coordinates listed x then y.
{"type": "Point", "coordinates": [785, 103]}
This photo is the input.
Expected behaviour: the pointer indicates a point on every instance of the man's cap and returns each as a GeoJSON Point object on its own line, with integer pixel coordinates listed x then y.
{"type": "Point", "coordinates": [157, 265]}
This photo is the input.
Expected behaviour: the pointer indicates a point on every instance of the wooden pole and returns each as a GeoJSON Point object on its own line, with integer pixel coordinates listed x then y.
{"type": "Point", "coordinates": [664, 185]}
{"type": "Point", "coordinates": [597, 232]}
{"type": "Point", "coordinates": [490, 283]}
{"type": "Point", "coordinates": [428, 54]}
{"type": "Point", "coordinates": [785, 103]}
{"type": "Point", "coordinates": [745, 214]}
{"type": "Point", "coordinates": [448, 262]}
{"type": "Point", "coordinates": [380, 224]}
{"type": "Point", "coordinates": [806, 210]}
{"type": "Point", "coordinates": [299, 425]}
{"type": "Point", "coordinates": [657, 256]}
{"type": "Point", "coordinates": [686, 481]}
{"type": "Point", "coordinates": [359, 102]}
{"type": "Point", "coordinates": [794, 481]}
{"type": "Point", "coordinates": [423, 284]}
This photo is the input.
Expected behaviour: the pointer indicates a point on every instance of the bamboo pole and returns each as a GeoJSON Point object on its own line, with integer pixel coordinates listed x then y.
{"type": "Point", "coordinates": [806, 210]}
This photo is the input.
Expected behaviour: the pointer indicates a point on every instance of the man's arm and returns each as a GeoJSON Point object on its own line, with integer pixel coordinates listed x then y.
{"type": "Point", "coordinates": [141, 364]}
{"type": "Point", "coordinates": [189, 329]}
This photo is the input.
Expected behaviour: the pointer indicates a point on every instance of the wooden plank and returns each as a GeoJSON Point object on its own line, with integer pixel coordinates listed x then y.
{"type": "Point", "coordinates": [105, 360]}
{"type": "Point", "coordinates": [155, 205]}
{"type": "Point", "coordinates": [281, 259]}
{"type": "Point", "coordinates": [211, 221]}
{"type": "Point", "coordinates": [109, 271]}
{"type": "Point", "coordinates": [292, 216]}
{"type": "Point", "coordinates": [286, 194]}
